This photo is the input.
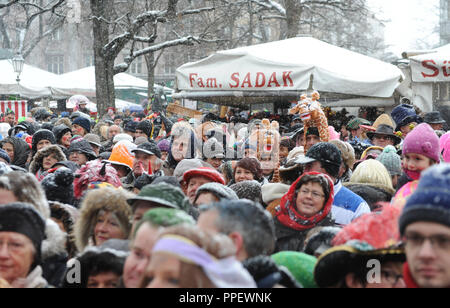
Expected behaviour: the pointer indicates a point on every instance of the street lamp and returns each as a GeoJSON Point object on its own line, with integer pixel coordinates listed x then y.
{"type": "Point", "coordinates": [18, 63]}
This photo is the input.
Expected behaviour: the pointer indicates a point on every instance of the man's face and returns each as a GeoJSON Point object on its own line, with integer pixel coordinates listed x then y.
{"type": "Point", "coordinates": [215, 162]}
{"type": "Point", "coordinates": [140, 133]}
{"type": "Point", "coordinates": [10, 119]}
{"type": "Point", "coordinates": [113, 131]}
{"type": "Point", "coordinates": [428, 254]}
{"type": "Point", "coordinates": [382, 141]}
{"type": "Point", "coordinates": [141, 163]}
{"type": "Point", "coordinates": [311, 140]}
{"type": "Point", "coordinates": [78, 157]}
{"type": "Point", "coordinates": [315, 166]}
{"type": "Point", "coordinates": [78, 130]}
{"type": "Point", "coordinates": [140, 256]}
{"type": "Point", "coordinates": [207, 221]}
{"type": "Point", "coordinates": [194, 184]}
{"type": "Point", "coordinates": [437, 126]}
{"type": "Point", "coordinates": [117, 122]}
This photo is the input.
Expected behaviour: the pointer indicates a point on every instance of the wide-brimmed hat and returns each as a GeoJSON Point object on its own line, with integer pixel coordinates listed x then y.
{"type": "Point", "coordinates": [337, 262]}
{"type": "Point", "coordinates": [385, 130]}
{"type": "Point", "coordinates": [433, 117]}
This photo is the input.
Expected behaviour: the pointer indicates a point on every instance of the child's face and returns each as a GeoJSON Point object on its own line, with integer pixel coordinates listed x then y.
{"type": "Point", "coordinates": [416, 162]}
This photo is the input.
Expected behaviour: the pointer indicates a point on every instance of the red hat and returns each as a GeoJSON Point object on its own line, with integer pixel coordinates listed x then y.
{"type": "Point", "coordinates": [378, 229]}
{"type": "Point", "coordinates": [206, 172]}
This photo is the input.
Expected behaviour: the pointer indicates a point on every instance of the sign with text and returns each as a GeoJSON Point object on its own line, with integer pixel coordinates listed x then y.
{"type": "Point", "coordinates": [431, 69]}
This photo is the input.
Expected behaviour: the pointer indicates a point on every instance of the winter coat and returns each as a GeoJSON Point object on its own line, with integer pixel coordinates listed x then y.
{"type": "Point", "coordinates": [21, 151]}
{"type": "Point", "coordinates": [371, 194]}
{"type": "Point", "coordinates": [38, 159]}
{"type": "Point", "coordinates": [107, 199]}
{"type": "Point", "coordinates": [402, 181]}
{"type": "Point", "coordinates": [290, 238]}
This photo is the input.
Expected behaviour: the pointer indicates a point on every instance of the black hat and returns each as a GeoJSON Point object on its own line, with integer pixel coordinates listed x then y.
{"type": "Point", "coordinates": [68, 164]}
{"type": "Point", "coordinates": [295, 131]}
{"type": "Point", "coordinates": [60, 130]}
{"type": "Point", "coordinates": [146, 127]}
{"type": "Point", "coordinates": [24, 219]}
{"type": "Point", "coordinates": [43, 134]}
{"type": "Point", "coordinates": [58, 186]}
{"type": "Point", "coordinates": [149, 148]}
{"type": "Point", "coordinates": [327, 153]}
{"type": "Point", "coordinates": [131, 126]}
{"type": "Point", "coordinates": [385, 130]}
{"type": "Point", "coordinates": [84, 147]}
{"type": "Point", "coordinates": [83, 122]}
{"type": "Point", "coordinates": [433, 117]}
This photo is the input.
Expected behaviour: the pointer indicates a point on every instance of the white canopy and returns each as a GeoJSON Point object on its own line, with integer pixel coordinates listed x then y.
{"type": "Point", "coordinates": [83, 82]}
{"type": "Point", "coordinates": [34, 82]}
{"type": "Point", "coordinates": [433, 66]}
{"type": "Point", "coordinates": [287, 66]}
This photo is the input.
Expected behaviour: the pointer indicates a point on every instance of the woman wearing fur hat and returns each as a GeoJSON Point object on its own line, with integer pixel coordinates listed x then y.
{"type": "Point", "coordinates": [306, 205]}
{"type": "Point", "coordinates": [44, 160]}
{"type": "Point", "coordinates": [105, 214]}
{"type": "Point", "coordinates": [200, 260]}
{"type": "Point", "coordinates": [22, 232]}
{"type": "Point", "coordinates": [183, 145]}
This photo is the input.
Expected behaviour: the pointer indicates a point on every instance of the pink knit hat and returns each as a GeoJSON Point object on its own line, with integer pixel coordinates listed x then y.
{"type": "Point", "coordinates": [422, 140]}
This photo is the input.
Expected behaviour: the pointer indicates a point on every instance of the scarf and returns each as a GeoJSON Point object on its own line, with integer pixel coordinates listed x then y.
{"type": "Point", "coordinates": [409, 280]}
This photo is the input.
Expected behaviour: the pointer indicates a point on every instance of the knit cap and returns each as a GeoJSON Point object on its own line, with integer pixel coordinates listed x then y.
{"type": "Point", "coordinates": [391, 160]}
{"type": "Point", "coordinates": [145, 127]}
{"type": "Point", "coordinates": [83, 122]}
{"type": "Point", "coordinates": [431, 200]}
{"type": "Point", "coordinates": [250, 190]}
{"type": "Point", "coordinates": [422, 140]}
{"type": "Point", "coordinates": [164, 145]}
{"type": "Point", "coordinates": [218, 190]}
{"type": "Point", "coordinates": [42, 134]}
{"type": "Point", "coordinates": [299, 264]}
{"type": "Point", "coordinates": [58, 186]}
{"type": "Point", "coordinates": [372, 172]}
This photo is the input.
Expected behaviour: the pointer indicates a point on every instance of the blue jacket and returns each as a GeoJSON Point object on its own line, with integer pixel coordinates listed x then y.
{"type": "Point", "coordinates": [347, 205]}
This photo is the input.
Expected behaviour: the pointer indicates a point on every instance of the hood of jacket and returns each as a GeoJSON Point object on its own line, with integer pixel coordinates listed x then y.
{"type": "Point", "coordinates": [21, 151]}
{"type": "Point", "coordinates": [38, 159]}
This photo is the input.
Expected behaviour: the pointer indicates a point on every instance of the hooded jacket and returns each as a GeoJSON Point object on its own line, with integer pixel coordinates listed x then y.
{"type": "Point", "coordinates": [37, 162]}
{"type": "Point", "coordinates": [107, 199]}
{"type": "Point", "coordinates": [290, 234]}
{"type": "Point", "coordinates": [21, 151]}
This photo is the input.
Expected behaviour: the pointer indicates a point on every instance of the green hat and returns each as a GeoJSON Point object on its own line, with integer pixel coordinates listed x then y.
{"type": "Point", "coordinates": [299, 264]}
{"type": "Point", "coordinates": [164, 194]}
{"type": "Point", "coordinates": [163, 217]}
{"type": "Point", "coordinates": [356, 122]}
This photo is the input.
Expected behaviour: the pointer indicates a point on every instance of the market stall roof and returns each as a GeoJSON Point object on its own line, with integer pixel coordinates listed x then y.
{"type": "Point", "coordinates": [283, 69]}
{"type": "Point", "coordinates": [34, 82]}
{"type": "Point", "coordinates": [83, 82]}
{"type": "Point", "coordinates": [432, 65]}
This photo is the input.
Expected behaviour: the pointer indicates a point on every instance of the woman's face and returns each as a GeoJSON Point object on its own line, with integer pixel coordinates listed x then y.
{"type": "Point", "coordinates": [162, 272]}
{"type": "Point", "coordinates": [243, 175]}
{"type": "Point", "coordinates": [106, 228]}
{"type": "Point", "coordinates": [65, 139]}
{"type": "Point", "coordinates": [16, 256]}
{"type": "Point", "coordinates": [42, 144]}
{"type": "Point", "coordinates": [49, 161]}
{"type": "Point", "coordinates": [9, 148]}
{"type": "Point", "coordinates": [180, 148]}
{"type": "Point", "coordinates": [310, 199]}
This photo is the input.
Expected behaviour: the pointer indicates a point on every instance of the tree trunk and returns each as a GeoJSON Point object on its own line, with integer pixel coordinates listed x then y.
{"type": "Point", "coordinates": [150, 60]}
{"type": "Point", "coordinates": [104, 63]}
{"type": "Point", "coordinates": [293, 15]}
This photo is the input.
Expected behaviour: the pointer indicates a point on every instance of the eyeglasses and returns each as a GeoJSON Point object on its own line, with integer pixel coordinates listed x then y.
{"type": "Point", "coordinates": [438, 242]}
{"type": "Point", "coordinates": [314, 194]}
{"type": "Point", "coordinates": [391, 277]}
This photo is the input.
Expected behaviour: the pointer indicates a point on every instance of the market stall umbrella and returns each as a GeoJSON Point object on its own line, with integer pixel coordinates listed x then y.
{"type": "Point", "coordinates": [34, 82]}
{"type": "Point", "coordinates": [284, 68]}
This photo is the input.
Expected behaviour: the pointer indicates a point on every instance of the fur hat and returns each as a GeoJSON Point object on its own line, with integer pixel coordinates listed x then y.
{"type": "Point", "coordinates": [422, 140]}
{"type": "Point", "coordinates": [106, 199]}
{"type": "Point", "coordinates": [38, 159]}
{"type": "Point", "coordinates": [58, 186]}
{"type": "Point", "coordinates": [42, 134]}
{"type": "Point", "coordinates": [431, 200]}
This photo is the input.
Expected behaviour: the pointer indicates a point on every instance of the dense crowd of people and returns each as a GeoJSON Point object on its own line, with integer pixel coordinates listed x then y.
{"type": "Point", "coordinates": [248, 201]}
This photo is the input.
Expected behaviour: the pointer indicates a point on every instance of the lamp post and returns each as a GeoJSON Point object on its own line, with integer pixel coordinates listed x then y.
{"type": "Point", "coordinates": [18, 63]}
